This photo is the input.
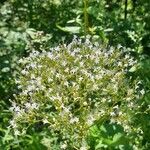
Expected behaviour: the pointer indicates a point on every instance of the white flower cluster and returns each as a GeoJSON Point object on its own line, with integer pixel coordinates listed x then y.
{"type": "Point", "coordinates": [19, 112]}
{"type": "Point", "coordinates": [73, 87]}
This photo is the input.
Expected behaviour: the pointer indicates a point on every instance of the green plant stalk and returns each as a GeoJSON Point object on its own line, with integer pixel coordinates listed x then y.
{"type": "Point", "coordinates": [86, 21]}
{"type": "Point", "coordinates": [125, 10]}
{"type": "Point", "coordinates": [30, 8]}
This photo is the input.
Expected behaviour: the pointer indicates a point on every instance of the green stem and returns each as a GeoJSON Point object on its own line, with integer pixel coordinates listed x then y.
{"type": "Point", "coordinates": [30, 15]}
{"type": "Point", "coordinates": [125, 10]}
{"type": "Point", "coordinates": [86, 21]}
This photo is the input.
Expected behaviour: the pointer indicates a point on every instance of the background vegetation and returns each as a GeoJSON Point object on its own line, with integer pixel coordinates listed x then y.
{"type": "Point", "coordinates": [37, 25]}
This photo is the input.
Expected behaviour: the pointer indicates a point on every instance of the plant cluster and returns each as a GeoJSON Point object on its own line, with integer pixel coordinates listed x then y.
{"type": "Point", "coordinates": [73, 87]}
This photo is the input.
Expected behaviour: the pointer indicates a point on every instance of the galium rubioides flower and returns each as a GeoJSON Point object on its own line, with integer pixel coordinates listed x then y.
{"type": "Point", "coordinates": [72, 87]}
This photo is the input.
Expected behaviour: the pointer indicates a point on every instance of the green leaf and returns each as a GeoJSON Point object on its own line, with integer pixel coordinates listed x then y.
{"type": "Point", "coordinates": [108, 30]}
{"type": "Point", "coordinates": [133, 69]}
{"type": "Point", "coordinates": [117, 137]}
{"type": "Point", "coordinates": [7, 137]}
{"type": "Point", "coordinates": [71, 29]}
{"type": "Point", "coordinates": [31, 32]}
{"type": "Point", "coordinates": [100, 145]}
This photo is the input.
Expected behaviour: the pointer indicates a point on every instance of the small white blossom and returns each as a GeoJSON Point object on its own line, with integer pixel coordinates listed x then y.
{"type": "Point", "coordinates": [142, 91]}
{"type": "Point", "coordinates": [112, 114]}
{"type": "Point", "coordinates": [16, 132]}
{"type": "Point", "coordinates": [45, 121]}
{"type": "Point", "coordinates": [13, 124]}
{"type": "Point", "coordinates": [63, 146]}
{"type": "Point", "coordinates": [28, 105]}
{"type": "Point", "coordinates": [34, 106]}
{"type": "Point", "coordinates": [90, 120]}
{"type": "Point", "coordinates": [83, 148]}
{"type": "Point", "coordinates": [74, 120]}
{"type": "Point", "coordinates": [24, 72]}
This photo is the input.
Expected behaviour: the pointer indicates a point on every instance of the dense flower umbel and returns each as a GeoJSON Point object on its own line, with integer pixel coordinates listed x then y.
{"type": "Point", "coordinates": [72, 87]}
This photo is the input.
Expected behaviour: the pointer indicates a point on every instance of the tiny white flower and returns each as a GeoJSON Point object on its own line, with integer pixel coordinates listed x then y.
{"type": "Point", "coordinates": [34, 106]}
{"type": "Point", "coordinates": [112, 114]}
{"type": "Point", "coordinates": [142, 91]}
{"type": "Point", "coordinates": [81, 64]}
{"type": "Point", "coordinates": [24, 72]}
{"type": "Point", "coordinates": [85, 103]}
{"type": "Point", "coordinates": [25, 92]}
{"type": "Point", "coordinates": [66, 70]}
{"type": "Point", "coordinates": [66, 110]}
{"type": "Point", "coordinates": [66, 83]}
{"type": "Point", "coordinates": [74, 120]}
{"type": "Point", "coordinates": [90, 120]}
{"type": "Point", "coordinates": [13, 124]}
{"type": "Point", "coordinates": [16, 132]}
{"type": "Point", "coordinates": [63, 146]}
{"type": "Point", "coordinates": [64, 63]}
{"type": "Point", "coordinates": [83, 148]}
{"type": "Point", "coordinates": [80, 78]}
{"type": "Point", "coordinates": [50, 55]}
{"type": "Point", "coordinates": [33, 65]}
{"type": "Point", "coordinates": [17, 109]}
{"type": "Point", "coordinates": [45, 121]}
